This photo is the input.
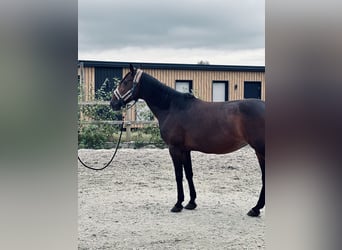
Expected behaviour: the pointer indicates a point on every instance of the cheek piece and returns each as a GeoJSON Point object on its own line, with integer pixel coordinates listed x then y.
{"type": "Point", "coordinates": [129, 93]}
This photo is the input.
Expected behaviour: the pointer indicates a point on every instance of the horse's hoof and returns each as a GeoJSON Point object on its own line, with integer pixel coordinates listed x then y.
{"type": "Point", "coordinates": [191, 206]}
{"type": "Point", "coordinates": [253, 213]}
{"type": "Point", "coordinates": [177, 209]}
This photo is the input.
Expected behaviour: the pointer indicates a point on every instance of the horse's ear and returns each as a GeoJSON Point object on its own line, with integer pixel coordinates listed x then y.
{"type": "Point", "coordinates": [131, 68]}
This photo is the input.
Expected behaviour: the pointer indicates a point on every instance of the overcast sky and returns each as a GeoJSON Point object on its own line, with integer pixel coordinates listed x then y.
{"type": "Point", "coordinates": [227, 32]}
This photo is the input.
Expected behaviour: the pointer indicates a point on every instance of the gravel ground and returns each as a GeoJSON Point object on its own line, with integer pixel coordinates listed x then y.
{"type": "Point", "coordinates": [127, 205]}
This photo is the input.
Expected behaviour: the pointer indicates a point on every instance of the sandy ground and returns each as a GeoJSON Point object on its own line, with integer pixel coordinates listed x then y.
{"type": "Point", "coordinates": [127, 206]}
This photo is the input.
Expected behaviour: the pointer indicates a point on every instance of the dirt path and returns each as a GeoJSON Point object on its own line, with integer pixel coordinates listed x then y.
{"type": "Point", "coordinates": [127, 206]}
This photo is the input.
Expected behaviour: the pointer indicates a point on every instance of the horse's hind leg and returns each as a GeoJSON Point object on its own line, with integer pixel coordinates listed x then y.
{"type": "Point", "coordinates": [188, 173]}
{"type": "Point", "coordinates": [255, 211]}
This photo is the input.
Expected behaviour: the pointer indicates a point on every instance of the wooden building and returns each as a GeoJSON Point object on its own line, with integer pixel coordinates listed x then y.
{"type": "Point", "coordinates": [207, 82]}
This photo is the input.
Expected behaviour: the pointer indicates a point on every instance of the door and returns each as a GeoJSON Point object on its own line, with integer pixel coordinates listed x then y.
{"type": "Point", "coordinates": [220, 91]}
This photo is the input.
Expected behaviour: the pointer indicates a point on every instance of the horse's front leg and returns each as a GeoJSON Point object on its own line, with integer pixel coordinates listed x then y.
{"type": "Point", "coordinates": [176, 156]}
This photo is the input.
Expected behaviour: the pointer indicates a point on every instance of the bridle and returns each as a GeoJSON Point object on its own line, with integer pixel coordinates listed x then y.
{"type": "Point", "coordinates": [124, 97]}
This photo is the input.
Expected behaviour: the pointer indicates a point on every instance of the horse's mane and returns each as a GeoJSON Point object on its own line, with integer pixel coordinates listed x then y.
{"type": "Point", "coordinates": [166, 96]}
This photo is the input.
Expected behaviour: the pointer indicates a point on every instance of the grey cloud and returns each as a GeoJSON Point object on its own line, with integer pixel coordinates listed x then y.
{"type": "Point", "coordinates": [173, 24]}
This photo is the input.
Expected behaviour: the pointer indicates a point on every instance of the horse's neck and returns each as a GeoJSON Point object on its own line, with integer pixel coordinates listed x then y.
{"type": "Point", "coordinates": [157, 96]}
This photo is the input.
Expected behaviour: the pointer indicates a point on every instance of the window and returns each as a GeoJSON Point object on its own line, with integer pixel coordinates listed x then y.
{"type": "Point", "coordinates": [184, 86]}
{"type": "Point", "coordinates": [220, 91]}
{"type": "Point", "coordinates": [252, 90]}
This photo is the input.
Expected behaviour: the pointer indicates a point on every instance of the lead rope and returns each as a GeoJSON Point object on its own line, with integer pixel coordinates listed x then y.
{"type": "Point", "coordinates": [125, 97]}
{"type": "Point", "coordinates": [110, 161]}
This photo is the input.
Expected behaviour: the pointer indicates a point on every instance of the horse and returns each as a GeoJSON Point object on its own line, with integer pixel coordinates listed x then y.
{"type": "Point", "coordinates": [187, 123]}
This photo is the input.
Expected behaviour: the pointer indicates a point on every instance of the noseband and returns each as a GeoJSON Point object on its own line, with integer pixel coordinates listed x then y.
{"type": "Point", "coordinates": [130, 92]}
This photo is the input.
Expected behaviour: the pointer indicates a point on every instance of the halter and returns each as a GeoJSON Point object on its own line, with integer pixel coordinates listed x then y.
{"type": "Point", "coordinates": [129, 93]}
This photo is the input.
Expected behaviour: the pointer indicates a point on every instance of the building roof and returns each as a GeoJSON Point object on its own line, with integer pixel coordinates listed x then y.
{"type": "Point", "coordinates": [175, 66]}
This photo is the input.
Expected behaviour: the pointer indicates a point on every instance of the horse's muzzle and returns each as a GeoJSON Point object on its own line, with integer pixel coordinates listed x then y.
{"type": "Point", "coordinates": [116, 105]}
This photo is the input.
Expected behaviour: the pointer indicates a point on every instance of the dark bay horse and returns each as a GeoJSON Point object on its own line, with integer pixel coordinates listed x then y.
{"type": "Point", "coordinates": [187, 123]}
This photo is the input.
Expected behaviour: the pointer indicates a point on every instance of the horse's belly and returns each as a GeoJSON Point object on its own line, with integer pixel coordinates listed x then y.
{"type": "Point", "coordinates": [222, 147]}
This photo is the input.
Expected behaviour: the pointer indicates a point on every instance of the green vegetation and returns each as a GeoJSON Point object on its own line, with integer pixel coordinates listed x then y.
{"type": "Point", "coordinates": [99, 135]}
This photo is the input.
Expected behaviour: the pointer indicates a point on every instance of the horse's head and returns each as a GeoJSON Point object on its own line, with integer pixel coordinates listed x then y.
{"type": "Point", "coordinates": [127, 89]}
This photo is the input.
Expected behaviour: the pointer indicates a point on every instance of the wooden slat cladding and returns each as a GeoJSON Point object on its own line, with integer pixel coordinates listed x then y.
{"type": "Point", "coordinates": [202, 80]}
{"type": "Point", "coordinates": [88, 83]}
